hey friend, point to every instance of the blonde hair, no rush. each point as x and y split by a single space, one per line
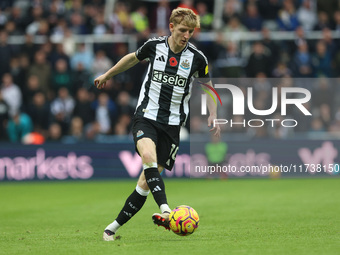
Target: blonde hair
185 16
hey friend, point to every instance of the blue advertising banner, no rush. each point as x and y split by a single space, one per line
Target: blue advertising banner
262 158
58 161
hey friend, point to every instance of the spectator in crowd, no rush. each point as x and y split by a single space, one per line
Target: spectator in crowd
300 38
216 152
305 121
3 18
57 53
100 27
207 18
337 21
81 77
69 43
160 16
269 10
43 28
11 28
259 61
331 45
234 29
31 88
261 86
76 132
119 20
28 48
5 53
83 108
316 126
287 18
324 93
123 125
47 48
22 75
84 56
231 9
54 132
306 14
252 19
17 16
37 13
59 29
229 62
105 113
323 21
124 103
125 111
55 11
278 131
321 59
62 108
18 126
4 109
139 19
42 69
302 62
39 112
15 71
329 7
77 25
325 115
101 63
188 4
11 94
125 79
61 76
271 46
334 127
281 70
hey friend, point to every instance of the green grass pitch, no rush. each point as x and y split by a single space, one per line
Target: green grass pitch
285 216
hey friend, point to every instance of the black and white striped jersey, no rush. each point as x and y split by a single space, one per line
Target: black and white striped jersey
166 89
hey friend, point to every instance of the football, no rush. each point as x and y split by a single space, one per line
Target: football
183 220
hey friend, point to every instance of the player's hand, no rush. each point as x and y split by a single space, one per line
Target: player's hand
100 81
216 129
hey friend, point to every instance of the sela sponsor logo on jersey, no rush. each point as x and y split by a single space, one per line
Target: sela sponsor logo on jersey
173 80
185 65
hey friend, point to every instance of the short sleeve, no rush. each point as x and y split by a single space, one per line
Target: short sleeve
203 71
144 51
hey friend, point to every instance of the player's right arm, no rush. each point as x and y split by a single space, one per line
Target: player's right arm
124 64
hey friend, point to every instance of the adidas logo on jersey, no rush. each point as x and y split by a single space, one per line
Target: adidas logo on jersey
173 80
161 58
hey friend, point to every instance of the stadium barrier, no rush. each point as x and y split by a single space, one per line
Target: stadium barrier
83 161
132 40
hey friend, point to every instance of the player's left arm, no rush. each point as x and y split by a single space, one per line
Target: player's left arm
212 106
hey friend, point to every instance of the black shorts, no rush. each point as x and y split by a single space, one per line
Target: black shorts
165 137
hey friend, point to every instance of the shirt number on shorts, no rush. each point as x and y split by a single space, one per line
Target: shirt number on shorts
173 151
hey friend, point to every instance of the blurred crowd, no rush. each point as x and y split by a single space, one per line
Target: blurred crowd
47 91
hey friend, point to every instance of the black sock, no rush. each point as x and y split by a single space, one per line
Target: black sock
156 185
132 205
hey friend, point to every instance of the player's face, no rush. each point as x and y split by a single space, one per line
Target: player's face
181 34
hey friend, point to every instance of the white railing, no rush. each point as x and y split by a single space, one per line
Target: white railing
131 40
